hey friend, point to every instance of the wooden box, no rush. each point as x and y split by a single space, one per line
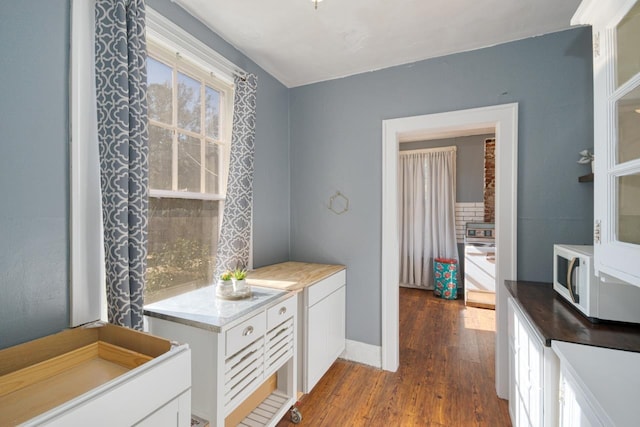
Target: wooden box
103 375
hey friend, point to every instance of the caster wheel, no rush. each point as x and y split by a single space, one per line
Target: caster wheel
296 416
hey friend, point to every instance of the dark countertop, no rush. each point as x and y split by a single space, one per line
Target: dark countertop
557 320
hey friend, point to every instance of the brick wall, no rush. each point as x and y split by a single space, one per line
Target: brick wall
489 180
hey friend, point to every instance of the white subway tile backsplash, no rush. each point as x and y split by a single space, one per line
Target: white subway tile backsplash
467 212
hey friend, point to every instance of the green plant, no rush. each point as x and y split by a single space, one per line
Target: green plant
240 274
226 276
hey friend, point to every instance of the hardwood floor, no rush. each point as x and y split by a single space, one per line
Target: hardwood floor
446 374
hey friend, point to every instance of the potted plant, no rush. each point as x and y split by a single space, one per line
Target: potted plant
587 157
225 283
239 279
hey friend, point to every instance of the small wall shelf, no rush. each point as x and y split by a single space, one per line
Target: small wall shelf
586 178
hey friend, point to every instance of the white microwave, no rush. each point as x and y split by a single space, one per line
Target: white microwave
598 298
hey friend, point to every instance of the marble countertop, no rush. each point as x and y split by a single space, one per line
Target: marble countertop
202 309
291 275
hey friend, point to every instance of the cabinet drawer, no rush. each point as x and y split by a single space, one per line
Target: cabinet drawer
325 287
245 333
281 312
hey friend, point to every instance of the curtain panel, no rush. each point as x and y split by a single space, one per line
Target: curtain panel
120 55
426 213
234 242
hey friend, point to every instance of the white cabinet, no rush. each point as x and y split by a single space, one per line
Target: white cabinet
616 74
98 376
175 413
244 369
324 327
599 386
575 409
480 275
533 373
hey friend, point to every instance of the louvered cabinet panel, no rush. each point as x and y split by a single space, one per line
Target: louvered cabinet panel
243 371
279 345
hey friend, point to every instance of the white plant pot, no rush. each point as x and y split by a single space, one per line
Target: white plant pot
224 287
239 285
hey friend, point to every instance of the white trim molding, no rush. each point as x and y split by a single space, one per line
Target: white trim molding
502 118
171 36
87 302
360 352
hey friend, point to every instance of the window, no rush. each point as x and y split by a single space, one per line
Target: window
189 136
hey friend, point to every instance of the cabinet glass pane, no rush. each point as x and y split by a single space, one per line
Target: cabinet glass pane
160 157
629 208
212 115
188 163
159 91
628 54
188 103
628 111
212 167
181 247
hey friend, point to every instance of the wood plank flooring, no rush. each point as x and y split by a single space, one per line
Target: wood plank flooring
446 374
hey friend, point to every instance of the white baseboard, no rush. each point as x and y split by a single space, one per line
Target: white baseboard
360 352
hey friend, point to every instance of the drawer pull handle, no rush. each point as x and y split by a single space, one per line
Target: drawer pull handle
247 331
282 311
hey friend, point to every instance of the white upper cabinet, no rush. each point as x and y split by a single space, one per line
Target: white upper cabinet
616 75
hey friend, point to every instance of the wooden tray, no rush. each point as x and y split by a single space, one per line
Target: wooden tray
31 384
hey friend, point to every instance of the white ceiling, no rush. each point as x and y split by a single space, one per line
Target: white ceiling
299 45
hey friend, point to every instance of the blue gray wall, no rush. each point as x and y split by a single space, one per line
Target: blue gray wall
34 52
34 177
336 134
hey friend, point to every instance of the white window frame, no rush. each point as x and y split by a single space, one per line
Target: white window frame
174 59
87 297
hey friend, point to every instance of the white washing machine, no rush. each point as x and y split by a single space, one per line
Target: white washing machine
480 265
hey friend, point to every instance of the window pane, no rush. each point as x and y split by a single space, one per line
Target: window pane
188 103
160 155
188 163
182 246
159 91
629 209
628 54
628 109
212 171
212 115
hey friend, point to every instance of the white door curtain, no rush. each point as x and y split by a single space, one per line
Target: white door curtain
427 181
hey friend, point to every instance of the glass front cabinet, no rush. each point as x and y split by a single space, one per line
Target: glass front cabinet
616 76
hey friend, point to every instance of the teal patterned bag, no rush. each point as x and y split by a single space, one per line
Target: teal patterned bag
445 278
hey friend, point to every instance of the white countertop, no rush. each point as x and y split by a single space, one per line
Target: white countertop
612 377
202 309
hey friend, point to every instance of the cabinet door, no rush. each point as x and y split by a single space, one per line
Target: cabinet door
176 413
326 335
575 410
526 373
480 268
617 140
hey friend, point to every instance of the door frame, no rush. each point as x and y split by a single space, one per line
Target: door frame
504 118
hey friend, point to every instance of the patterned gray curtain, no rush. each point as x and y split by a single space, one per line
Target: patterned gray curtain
121 85
235 232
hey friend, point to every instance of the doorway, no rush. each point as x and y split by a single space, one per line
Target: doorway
503 119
